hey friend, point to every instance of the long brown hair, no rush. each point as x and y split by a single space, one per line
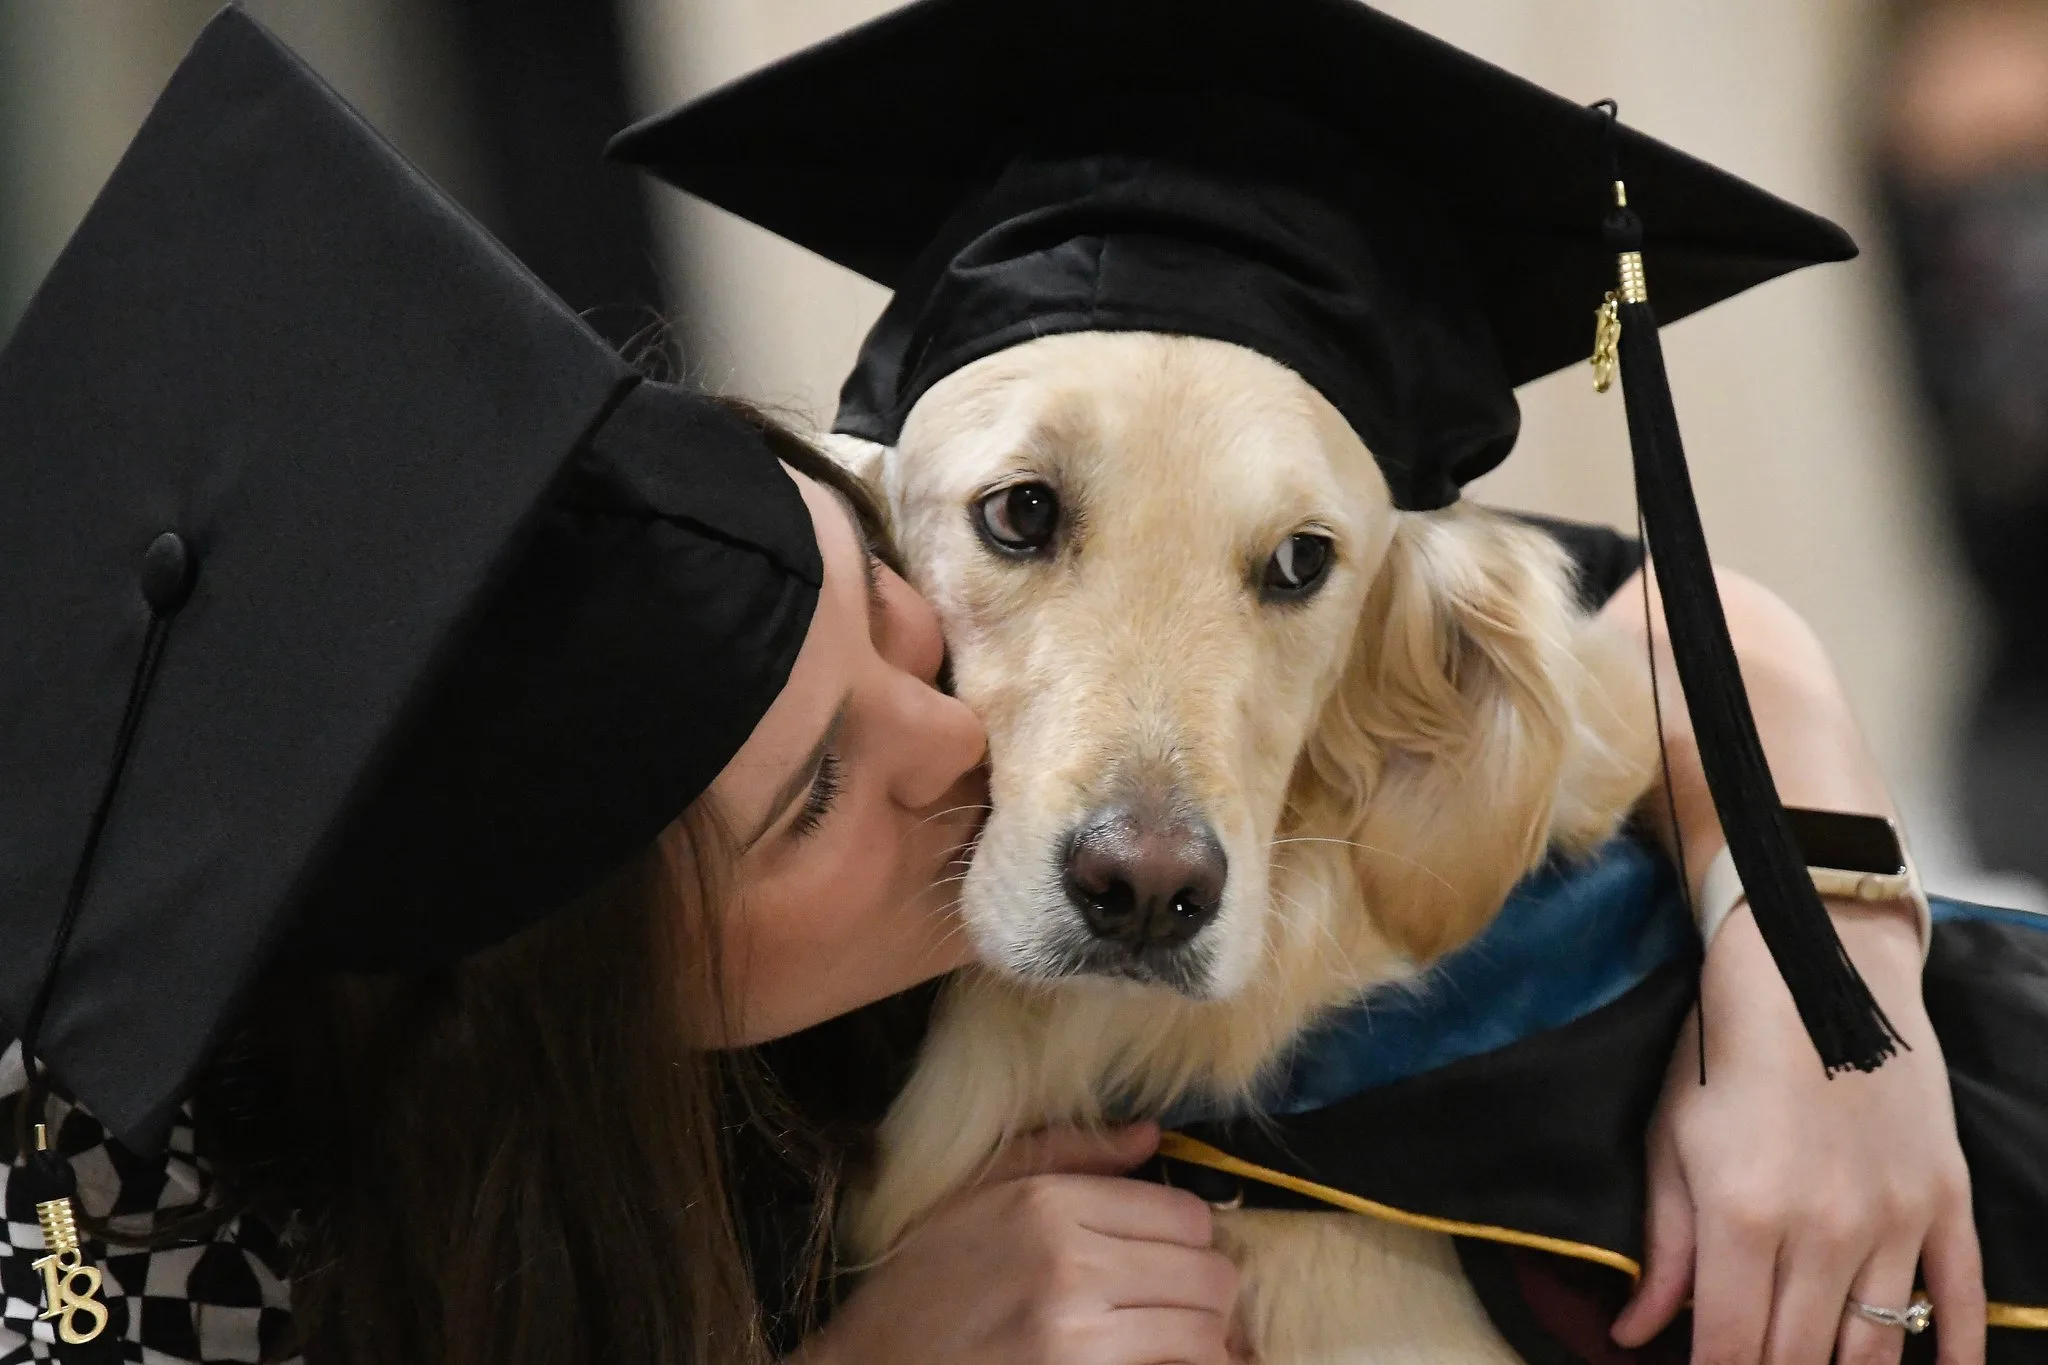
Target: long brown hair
518 1159
511 1161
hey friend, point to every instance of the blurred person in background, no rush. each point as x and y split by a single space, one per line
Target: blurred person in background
1963 168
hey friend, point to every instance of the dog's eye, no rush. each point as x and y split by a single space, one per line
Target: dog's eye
1297 567
1020 519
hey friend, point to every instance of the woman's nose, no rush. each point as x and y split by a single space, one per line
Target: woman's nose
939 738
909 636
941 741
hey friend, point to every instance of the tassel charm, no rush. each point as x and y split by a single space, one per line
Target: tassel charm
70 1286
1606 342
1633 287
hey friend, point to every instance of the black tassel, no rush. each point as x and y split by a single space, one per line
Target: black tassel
1848 1028
72 1288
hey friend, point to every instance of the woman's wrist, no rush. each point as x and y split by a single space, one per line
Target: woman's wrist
1883 929
1745 1006
1882 937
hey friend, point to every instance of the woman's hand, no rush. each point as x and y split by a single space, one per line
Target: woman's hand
1777 1194
1051 1258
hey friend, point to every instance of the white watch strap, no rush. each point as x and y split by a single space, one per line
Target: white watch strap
1721 891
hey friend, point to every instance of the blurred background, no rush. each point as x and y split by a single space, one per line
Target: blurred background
1870 440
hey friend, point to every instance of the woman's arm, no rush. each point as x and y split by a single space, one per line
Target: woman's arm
1778 1194
1817 753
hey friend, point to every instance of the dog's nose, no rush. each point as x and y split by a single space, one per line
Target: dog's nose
1141 883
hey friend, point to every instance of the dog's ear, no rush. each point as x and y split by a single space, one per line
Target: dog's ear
1480 721
874 465
866 460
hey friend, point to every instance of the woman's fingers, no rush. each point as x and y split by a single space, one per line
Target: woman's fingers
1731 1297
1668 1257
1817 1265
1134 1210
1153 1336
1160 1275
1954 1267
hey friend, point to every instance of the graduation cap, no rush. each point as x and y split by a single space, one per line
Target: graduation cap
361 607
1412 230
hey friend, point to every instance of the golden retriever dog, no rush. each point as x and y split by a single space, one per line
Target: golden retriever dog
1260 742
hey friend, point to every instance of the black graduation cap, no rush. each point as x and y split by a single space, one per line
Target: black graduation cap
1412 230
361 605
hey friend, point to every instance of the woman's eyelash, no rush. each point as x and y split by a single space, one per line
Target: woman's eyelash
874 575
817 805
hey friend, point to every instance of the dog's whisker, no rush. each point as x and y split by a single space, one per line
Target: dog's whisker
1294 913
945 938
950 810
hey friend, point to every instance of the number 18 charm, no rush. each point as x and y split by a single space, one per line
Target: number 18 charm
70 1286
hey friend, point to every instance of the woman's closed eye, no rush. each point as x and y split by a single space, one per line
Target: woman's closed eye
818 801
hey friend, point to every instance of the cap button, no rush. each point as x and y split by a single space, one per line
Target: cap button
168 569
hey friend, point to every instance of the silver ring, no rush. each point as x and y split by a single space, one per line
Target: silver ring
1913 1319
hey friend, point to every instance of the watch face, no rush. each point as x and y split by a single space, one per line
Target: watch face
1853 843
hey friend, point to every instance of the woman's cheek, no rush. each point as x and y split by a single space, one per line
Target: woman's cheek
861 884
834 902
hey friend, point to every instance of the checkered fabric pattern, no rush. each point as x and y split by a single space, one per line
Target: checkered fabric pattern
221 1299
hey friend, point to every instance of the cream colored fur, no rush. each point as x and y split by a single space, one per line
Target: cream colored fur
1381 764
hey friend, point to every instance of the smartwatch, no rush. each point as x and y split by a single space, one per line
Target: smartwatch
1849 857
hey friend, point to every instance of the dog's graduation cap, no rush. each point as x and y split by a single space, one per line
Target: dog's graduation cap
360 605
1412 230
